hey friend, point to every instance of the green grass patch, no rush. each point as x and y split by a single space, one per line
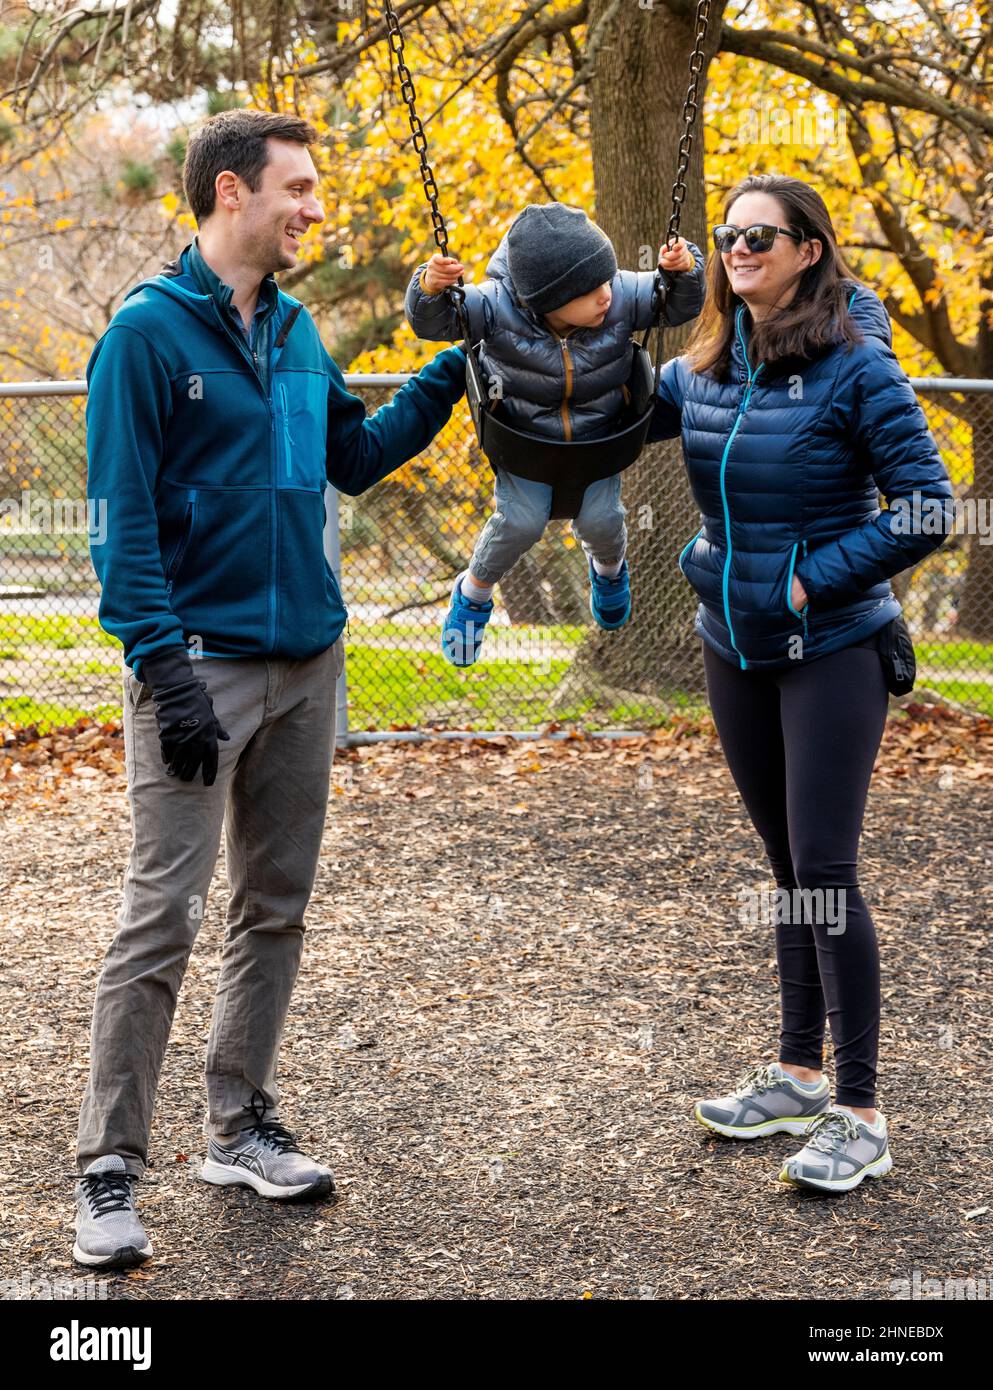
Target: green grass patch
21 710
395 687
62 630
972 693
428 635
412 684
974 656
95 667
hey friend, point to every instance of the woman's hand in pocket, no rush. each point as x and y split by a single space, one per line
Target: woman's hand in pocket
798 595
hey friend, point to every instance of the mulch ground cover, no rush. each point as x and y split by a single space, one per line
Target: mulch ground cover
524 962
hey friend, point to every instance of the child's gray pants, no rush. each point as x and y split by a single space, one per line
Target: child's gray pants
521 515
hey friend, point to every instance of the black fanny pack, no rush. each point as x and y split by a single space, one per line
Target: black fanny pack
896 651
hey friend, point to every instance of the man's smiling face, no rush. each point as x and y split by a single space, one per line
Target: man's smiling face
273 220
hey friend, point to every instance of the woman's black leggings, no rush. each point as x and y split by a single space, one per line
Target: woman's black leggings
801 744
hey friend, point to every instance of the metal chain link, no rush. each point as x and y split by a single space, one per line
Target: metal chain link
689 119
408 96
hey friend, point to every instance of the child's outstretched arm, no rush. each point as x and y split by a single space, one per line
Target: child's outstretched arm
429 310
684 266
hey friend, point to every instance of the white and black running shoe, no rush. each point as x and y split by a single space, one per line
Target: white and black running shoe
109 1234
265 1156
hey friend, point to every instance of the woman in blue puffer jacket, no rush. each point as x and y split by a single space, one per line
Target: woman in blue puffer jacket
794 415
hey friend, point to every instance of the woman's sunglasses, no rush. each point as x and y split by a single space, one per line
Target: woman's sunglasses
758 238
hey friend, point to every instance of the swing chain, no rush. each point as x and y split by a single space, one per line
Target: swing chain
407 94
689 118
690 108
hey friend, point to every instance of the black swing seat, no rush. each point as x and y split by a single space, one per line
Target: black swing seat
568 466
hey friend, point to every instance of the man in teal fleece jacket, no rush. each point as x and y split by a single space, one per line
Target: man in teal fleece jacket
215 422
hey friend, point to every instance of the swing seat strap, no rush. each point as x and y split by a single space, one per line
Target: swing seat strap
567 499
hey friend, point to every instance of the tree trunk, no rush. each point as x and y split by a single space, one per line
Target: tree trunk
636 101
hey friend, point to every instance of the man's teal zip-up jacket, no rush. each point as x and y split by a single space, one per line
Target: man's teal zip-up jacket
214 483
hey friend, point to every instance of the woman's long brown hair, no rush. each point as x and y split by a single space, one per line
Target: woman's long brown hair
814 319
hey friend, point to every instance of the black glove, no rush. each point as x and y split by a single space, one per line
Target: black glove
188 727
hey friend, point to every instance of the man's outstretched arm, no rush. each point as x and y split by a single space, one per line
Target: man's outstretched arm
362 448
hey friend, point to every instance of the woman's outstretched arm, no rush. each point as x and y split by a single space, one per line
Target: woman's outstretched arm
668 416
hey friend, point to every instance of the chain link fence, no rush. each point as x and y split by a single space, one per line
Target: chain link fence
543 664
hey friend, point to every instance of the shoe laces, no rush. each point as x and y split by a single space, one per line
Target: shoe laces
759 1079
271 1132
107 1192
832 1131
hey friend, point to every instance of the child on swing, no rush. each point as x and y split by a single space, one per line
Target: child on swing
555 317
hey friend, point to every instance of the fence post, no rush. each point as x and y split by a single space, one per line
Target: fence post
332 550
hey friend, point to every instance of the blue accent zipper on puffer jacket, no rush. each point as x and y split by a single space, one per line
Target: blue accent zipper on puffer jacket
807 604
685 550
789 586
724 497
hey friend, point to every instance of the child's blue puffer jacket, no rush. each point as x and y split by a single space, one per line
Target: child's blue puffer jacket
564 387
786 467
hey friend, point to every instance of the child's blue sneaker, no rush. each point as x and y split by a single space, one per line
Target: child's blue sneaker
610 599
462 635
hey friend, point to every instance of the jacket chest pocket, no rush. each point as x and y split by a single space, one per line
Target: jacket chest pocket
300 425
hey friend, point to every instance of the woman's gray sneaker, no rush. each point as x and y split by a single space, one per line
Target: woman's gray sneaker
766 1101
840 1152
109 1234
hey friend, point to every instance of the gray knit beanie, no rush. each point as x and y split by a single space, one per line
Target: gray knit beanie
554 254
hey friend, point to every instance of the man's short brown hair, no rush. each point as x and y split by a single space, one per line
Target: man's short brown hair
235 140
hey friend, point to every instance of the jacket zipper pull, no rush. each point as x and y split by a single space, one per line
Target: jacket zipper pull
291 319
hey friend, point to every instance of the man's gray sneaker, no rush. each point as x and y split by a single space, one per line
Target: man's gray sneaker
109 1234
265 1157
840 1151
766 1101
